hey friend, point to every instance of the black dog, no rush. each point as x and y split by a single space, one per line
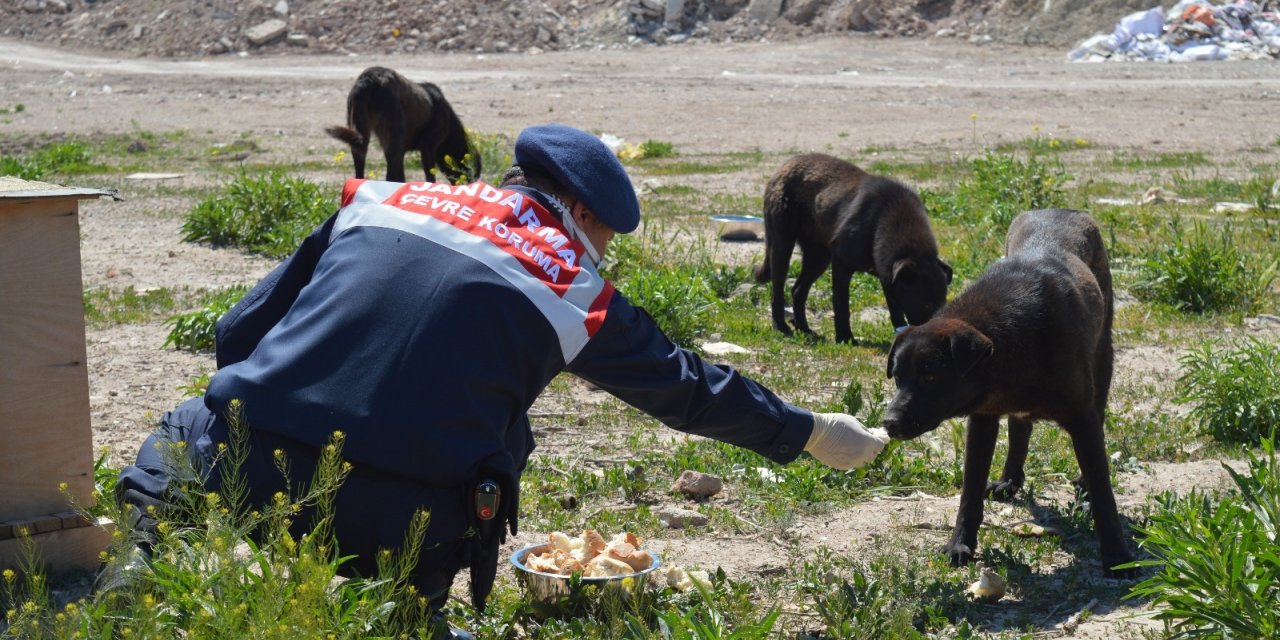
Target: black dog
854 221
405 116
1031 339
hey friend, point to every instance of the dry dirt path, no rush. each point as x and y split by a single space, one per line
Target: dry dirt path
846 92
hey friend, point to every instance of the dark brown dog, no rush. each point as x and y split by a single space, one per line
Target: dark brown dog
854 221
1031 339
404 116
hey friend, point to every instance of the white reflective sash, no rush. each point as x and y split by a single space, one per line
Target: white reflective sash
507 231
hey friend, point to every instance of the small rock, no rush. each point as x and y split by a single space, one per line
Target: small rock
990 587
298 40
677 518
722 348
282 8
698 485
139 31
265 32
58 6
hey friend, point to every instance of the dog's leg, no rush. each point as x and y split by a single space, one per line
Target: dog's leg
391 135
840 280
814 261
980 445
780 243
1091 454
896 315
395 161
1013 476
427 151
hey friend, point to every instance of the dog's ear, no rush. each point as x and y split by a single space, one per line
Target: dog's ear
904 269
893 350
970 349
946 268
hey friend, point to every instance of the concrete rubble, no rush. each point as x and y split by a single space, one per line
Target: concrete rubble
1188 31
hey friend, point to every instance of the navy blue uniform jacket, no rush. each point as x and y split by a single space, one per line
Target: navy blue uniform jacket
419 342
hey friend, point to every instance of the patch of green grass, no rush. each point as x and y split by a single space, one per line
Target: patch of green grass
1202 271
1233 390
1216 188
59 159
268 214
1218 568
1001 187
888 596
1127 161
195 331
915 171
680 302
106 307
17 108
226 149
1042 145
657 149
729 164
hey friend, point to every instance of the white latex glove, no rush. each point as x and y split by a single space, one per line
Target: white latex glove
842 442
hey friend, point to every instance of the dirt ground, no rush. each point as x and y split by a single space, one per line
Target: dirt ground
845 95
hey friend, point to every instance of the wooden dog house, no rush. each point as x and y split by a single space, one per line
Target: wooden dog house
46 443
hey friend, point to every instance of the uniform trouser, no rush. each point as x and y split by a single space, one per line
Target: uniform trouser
372 510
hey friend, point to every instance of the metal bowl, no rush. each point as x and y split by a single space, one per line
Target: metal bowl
545 588
733 227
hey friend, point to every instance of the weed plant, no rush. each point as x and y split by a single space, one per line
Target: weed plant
195 331
108 307
268 214
1201 271
1001 187
680 302
60 159
220 570
1218 560
493 150
1233 390
657 149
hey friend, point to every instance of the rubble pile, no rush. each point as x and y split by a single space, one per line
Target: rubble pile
189 28
1189 30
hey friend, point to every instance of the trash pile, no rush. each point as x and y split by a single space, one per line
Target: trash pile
1190 30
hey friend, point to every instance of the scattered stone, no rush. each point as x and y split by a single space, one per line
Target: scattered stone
354 28
698 485
1232 207
990 587
146 176
722 348
678 518
264 32
297 40
764 10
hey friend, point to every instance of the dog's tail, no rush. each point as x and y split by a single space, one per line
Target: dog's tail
347 135
776 203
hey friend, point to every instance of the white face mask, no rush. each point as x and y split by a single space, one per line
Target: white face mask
572 227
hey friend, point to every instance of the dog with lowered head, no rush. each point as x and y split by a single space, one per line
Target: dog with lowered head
404 116
856 222
1031 340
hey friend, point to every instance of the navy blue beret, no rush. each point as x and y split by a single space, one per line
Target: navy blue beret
586 167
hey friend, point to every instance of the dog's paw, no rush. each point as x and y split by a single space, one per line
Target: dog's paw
1003 490
960 553
1109 569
